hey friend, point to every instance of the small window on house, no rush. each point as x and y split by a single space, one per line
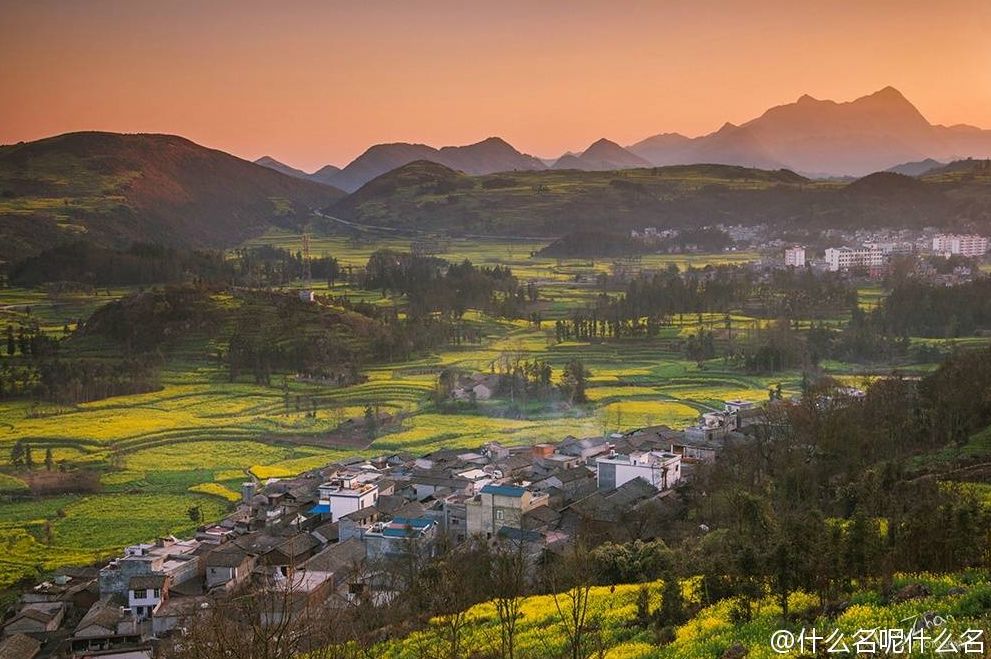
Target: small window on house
158 593
499 514
140 594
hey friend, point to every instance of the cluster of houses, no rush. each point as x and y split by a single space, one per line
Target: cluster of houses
324 537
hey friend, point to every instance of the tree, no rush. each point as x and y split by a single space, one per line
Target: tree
195 514
509 568
11 343
49 461
672 611
571 584
371 422
17 454
253 625
574 381
28 458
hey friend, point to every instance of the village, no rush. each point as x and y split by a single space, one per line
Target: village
326 538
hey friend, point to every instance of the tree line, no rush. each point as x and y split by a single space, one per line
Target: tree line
431 284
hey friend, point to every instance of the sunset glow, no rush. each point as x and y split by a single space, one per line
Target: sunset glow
312 83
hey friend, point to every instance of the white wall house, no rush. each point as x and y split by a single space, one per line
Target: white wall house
145 594
660 469
343 496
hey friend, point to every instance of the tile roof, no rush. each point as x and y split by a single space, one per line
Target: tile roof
147 581
338 558
19 646
231 556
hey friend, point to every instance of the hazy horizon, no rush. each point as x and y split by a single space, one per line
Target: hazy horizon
314 84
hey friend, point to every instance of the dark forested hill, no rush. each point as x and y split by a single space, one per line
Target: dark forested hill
118 189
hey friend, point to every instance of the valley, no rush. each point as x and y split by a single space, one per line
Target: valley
198 436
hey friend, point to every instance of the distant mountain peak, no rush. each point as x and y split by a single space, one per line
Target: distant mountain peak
603 142
489 156
824 137
890 92
497 141
603 154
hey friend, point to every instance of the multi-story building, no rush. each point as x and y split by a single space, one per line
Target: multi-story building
343 496
964 245
660 469
498 506
845 258
795 257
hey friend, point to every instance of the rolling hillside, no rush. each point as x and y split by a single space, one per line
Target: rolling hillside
424 196
118 189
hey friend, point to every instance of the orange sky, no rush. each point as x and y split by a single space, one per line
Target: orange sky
312 83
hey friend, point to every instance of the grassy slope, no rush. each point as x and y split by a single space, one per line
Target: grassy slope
711 631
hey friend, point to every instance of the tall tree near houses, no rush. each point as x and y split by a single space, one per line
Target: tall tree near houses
49 461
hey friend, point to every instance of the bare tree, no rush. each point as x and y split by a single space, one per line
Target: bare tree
272 620
509 581
571 584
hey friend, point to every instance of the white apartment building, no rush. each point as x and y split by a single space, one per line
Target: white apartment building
844 258
969 245
795 257
660 469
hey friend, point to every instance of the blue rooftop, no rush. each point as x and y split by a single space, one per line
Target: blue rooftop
406 527
415 522
320 509
504 490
